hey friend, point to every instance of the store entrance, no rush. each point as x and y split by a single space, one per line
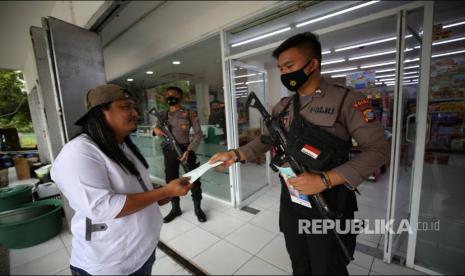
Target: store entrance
363 57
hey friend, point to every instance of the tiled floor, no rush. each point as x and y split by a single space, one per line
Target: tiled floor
253 244
230 242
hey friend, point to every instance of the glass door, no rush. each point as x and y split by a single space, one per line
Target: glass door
253 175
410 26
440 240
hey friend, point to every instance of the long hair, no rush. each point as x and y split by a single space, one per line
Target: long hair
97 128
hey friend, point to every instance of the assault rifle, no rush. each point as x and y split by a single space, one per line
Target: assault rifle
170 137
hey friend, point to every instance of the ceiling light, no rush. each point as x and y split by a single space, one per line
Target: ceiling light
339 70
130 79
409 73
369 43
239 83
333 61
149 72
385 70
386 76
341 75
372 55
254 81
365 44
326 52
453 24
449 40
242 87
411 67
410 77
335 13
378 64
176 62
390 79
261 37
243 76
448 53
411 60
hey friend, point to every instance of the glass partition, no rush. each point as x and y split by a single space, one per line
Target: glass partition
197 72
440 244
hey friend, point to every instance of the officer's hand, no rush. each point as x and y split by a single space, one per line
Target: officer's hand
307 183
178 187
184 156
228 158
158 132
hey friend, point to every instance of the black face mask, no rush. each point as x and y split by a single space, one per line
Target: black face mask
294 80
172 100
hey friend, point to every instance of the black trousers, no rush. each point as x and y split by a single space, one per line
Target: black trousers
172 169
313 254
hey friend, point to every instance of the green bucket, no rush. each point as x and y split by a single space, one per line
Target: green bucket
30 224
11 197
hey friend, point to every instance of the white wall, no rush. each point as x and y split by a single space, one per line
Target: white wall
276 89
171 27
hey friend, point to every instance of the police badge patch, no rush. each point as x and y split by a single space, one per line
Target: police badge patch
367 111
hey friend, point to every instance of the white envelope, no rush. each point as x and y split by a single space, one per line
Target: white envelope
197 173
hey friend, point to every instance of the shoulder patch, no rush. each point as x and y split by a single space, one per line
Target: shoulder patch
364 106
195 116
361 104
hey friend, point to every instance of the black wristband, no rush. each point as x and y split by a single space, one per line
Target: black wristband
238 155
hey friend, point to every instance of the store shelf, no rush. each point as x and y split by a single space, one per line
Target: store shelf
447 100
447 151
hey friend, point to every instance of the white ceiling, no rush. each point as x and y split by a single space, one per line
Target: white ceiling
15 19
200 62
445 13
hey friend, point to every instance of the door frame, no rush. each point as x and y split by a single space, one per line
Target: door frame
420 139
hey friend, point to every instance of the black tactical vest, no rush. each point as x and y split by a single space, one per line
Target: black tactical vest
318 150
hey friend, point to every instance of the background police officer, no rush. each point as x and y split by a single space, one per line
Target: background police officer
180 120
335 110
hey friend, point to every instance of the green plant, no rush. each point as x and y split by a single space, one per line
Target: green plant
14 109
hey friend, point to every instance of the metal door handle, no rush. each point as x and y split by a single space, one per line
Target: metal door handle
407 136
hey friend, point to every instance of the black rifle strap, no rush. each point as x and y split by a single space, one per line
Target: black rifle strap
281 114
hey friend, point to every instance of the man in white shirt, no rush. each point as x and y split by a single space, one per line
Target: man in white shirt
117 221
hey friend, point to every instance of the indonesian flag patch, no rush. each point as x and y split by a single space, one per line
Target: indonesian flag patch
311 151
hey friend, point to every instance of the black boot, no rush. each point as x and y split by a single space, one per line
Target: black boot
198 212
175 211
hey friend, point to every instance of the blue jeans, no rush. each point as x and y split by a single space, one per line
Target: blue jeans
146 269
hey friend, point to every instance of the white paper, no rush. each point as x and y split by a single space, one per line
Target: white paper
197 173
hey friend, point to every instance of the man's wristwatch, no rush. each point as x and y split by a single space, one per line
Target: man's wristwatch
238 156
325 179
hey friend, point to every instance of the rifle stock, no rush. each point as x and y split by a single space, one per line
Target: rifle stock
170 137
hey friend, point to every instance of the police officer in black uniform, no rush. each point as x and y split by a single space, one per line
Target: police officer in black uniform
320 120
180 120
